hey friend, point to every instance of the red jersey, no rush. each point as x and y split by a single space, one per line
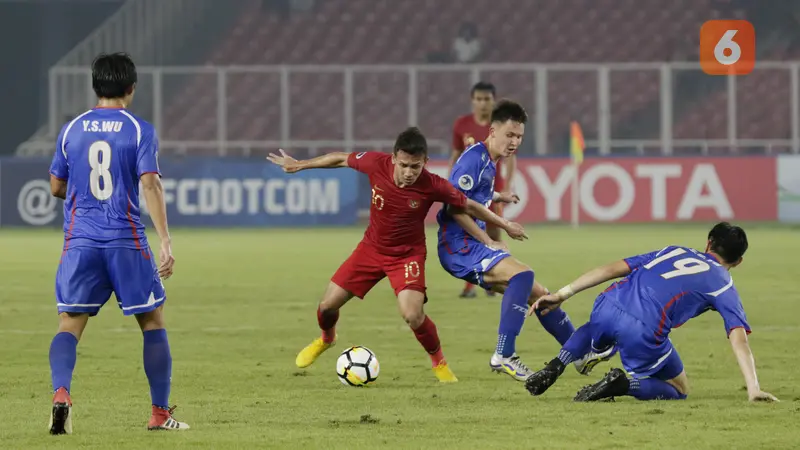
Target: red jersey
397 215
467 132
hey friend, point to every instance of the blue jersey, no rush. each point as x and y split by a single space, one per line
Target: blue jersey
473 174
668 287
101 155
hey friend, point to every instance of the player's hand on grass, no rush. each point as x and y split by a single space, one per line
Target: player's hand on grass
761 396
507 197
546 303
516 231
166 259
287 163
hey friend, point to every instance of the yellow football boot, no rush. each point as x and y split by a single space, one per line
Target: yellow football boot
444 374
308 355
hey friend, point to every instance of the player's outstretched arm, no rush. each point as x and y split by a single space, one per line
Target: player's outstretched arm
514 230
154 198
588 280
290 165
741 348
468 224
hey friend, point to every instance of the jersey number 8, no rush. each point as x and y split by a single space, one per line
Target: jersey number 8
683 266
100 162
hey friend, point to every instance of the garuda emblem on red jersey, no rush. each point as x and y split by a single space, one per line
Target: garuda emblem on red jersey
468 140
413 203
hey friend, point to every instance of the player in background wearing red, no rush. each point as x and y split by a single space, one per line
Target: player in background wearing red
473 128
394 243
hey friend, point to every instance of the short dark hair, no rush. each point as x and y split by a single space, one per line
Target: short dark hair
728 241
483 86
411 141
506 110
113 75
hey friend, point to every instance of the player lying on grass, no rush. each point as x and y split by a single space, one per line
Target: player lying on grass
661 291
100 159
467 252
394 242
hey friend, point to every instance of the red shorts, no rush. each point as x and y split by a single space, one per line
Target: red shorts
366 267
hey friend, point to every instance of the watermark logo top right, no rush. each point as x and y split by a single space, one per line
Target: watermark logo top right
727 47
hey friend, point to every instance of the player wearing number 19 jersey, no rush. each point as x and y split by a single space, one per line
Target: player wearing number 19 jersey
660 291
100 158
403 192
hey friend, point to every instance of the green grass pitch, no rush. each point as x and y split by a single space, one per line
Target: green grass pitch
242 303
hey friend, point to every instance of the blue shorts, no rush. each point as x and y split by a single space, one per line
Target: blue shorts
641 352
87 276
471 262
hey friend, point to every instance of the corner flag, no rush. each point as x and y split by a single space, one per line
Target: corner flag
576 144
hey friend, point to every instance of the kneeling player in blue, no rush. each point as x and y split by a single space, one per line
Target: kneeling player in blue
101 157
488 263
660 291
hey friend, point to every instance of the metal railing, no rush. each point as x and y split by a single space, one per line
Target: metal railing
669 103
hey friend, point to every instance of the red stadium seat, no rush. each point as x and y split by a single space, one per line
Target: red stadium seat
369 32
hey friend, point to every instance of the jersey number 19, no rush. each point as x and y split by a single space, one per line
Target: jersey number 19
683 266
100 162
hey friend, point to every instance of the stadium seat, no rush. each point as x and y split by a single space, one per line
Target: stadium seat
368 32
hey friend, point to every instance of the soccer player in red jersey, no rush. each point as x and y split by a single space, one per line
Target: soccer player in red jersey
469 130
394 243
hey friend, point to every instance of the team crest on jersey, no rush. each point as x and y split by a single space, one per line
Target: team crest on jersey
468 140
466 182
358 156
413 203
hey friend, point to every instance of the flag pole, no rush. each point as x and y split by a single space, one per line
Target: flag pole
576 148
575 196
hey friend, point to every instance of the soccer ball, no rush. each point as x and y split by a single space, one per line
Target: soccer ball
357 366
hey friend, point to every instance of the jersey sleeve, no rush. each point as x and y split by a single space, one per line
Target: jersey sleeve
58 167
466 174
458 140
729 305
365 162
634 262
147 154
444 192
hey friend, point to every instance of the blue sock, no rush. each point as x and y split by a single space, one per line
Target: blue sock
557 323
578 344
63 353
158 366
512 312
653 389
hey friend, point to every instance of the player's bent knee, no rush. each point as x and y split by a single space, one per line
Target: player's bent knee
335 297
151 320
414 319
412 309
681 384
505 270
73 323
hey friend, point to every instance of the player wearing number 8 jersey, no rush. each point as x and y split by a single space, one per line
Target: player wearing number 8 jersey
660 291
394 243
100 158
